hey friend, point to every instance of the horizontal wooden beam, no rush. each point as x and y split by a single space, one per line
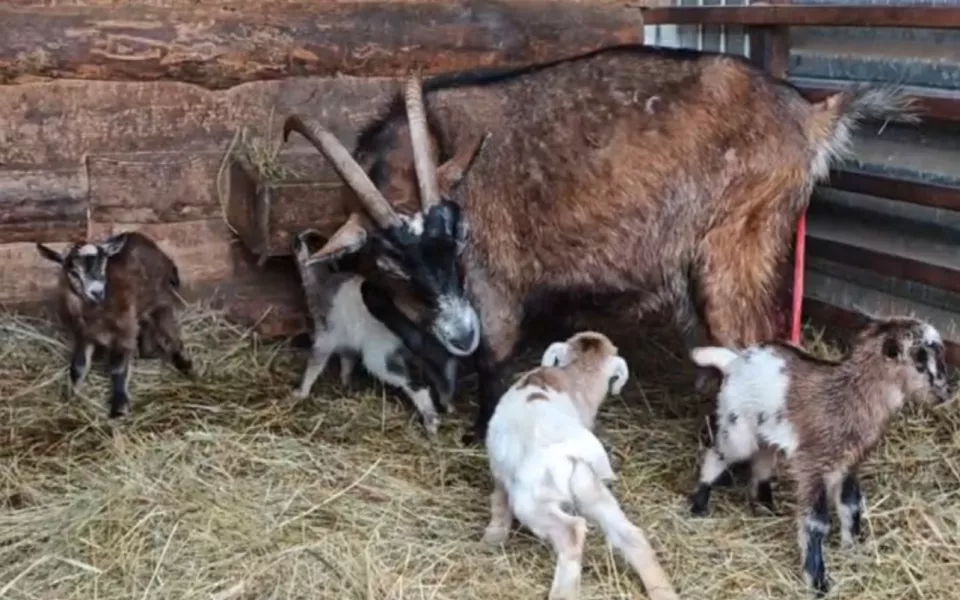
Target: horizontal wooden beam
892 188
835 316
934 17
886 264
218 48
938 105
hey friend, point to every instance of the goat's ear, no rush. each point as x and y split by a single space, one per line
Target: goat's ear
392 267
891 347
113 245
349 239
451 173
556 355
49 253
617 374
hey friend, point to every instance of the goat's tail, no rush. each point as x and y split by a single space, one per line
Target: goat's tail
713 356
835 118
595 501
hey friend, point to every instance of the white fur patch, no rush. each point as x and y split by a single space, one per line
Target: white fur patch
414 223
87 250
751 406
931 335
456 316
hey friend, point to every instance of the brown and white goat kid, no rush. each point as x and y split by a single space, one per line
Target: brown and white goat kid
547 462
107 292
342 325
824 416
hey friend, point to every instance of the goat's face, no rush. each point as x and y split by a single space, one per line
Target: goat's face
423 248
595 353
915 351
84 266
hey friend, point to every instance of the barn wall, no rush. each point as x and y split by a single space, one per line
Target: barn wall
89 158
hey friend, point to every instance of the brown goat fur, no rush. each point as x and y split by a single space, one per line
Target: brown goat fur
116 295
672 176
825 416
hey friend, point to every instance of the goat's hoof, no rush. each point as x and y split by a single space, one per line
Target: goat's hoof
495 536
119 410
820 585
299 394
849 542
699 511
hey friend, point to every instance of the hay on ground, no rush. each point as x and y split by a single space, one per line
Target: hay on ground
225 488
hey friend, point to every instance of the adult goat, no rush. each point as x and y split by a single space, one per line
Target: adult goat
672 176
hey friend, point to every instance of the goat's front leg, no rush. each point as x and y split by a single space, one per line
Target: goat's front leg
813 526
848 501
316 364
501 517
501 315
80 361
119 365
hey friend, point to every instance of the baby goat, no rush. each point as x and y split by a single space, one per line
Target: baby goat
107 292
824 416
546 462
343 325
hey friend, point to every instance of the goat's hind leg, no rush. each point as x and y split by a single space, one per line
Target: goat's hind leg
735 442
501 516
761 489
566 534
600 505
119 365
168 336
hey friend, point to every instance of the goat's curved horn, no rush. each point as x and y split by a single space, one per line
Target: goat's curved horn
419 138
352 173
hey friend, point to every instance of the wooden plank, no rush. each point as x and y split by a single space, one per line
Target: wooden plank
902 190
153 187
932 17
43 206
938 105
842 318
269 301
53 125
26 276
218 49
205 251
889 265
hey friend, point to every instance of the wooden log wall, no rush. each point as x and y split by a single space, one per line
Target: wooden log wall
117 117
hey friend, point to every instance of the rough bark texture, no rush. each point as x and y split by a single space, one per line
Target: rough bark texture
80 157
219 47
43 206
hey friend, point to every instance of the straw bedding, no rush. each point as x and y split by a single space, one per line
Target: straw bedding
225 488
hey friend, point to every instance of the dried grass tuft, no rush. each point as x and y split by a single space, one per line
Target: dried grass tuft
225 488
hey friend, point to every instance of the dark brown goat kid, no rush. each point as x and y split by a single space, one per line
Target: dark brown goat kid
111 292
671 177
